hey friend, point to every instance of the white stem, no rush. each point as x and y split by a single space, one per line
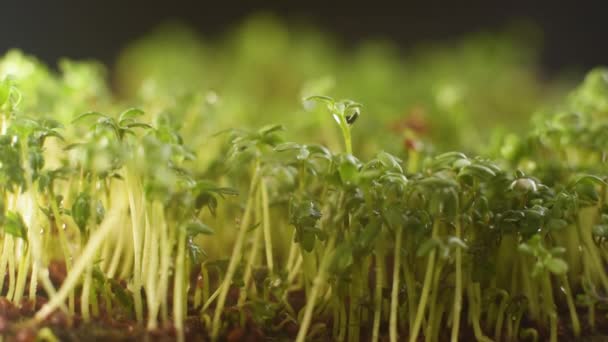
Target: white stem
87 257
267 237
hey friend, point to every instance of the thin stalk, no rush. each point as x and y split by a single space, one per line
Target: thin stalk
550 306
235 258
433 301
167 241
33 280
153 271
395 290
378 291
22 271
457 287
118 252
318 282
266 226
343 322
594 259
335 326
354 312
178 285
293 249
210 300
135 214
87 257
63 242
576 325
500 315
437 321
529 289
426 287
206 285
4 261
11 267
474 308
85 295
253 254
410 292
295 270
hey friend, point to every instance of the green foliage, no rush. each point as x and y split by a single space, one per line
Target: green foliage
14 225
141 188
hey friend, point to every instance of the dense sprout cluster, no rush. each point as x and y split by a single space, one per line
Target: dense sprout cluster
163 213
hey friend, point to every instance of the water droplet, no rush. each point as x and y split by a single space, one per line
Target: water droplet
563 290
64 226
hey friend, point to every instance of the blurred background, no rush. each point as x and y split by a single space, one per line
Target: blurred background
431 76
573 33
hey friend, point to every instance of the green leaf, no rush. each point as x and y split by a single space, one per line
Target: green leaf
436 182
450 156
98 275
390 161
266 130
287 146
587 192
81 211
477 170
368 235
197 227
307 240
320 98
14 225
89 115
427 246
5 90
557 224
556 266
589 178
138 125
130 114
348 169
124 296
343 258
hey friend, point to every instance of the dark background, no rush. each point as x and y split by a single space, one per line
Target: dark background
575 34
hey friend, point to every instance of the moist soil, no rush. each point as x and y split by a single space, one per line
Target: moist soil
16 323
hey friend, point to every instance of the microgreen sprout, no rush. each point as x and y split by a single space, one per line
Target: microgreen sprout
344 112
261 231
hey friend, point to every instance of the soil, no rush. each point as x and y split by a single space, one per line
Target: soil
115 326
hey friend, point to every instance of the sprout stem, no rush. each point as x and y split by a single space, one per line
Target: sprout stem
458 286
576 326
426 287
318 282
266 226
235 258
378 291
86 258
178 286
395 290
